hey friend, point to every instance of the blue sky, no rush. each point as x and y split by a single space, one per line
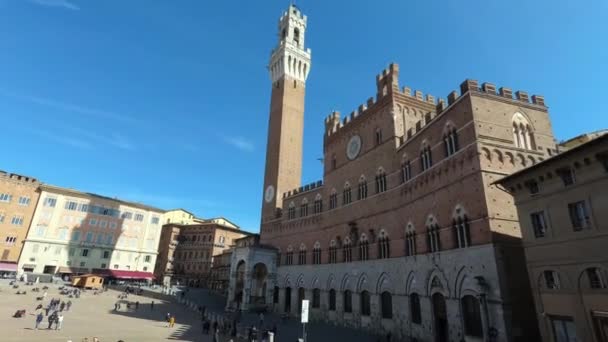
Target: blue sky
166 102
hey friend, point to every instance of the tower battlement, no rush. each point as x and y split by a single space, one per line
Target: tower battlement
467 86
293 11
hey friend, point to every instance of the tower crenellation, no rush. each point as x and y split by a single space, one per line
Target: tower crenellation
291 57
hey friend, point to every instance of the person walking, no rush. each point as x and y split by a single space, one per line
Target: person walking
261 320
39 319
172 321
51 320
152 305
68 305
59 323
136 305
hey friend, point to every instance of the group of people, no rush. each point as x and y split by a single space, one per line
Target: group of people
55 318
53 311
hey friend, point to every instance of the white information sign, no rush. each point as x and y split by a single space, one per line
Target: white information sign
305 311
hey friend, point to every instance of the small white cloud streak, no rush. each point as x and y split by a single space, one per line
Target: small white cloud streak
240 143
63 139
93 112
65 4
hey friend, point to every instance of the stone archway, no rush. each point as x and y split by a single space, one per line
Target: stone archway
240 283
440 318
259 277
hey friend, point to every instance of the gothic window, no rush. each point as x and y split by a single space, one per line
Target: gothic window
378 136
551 280
316 298
384 250
304 208
362 191
291 213
316 254
380 181
302 255
348 301
415 308
365 304
289 256
410 240
471 313
333 199
332 300
406 171
318 206
347 250
434 243
333 252
426 158
462 234
363 248
596 279
523 137
296 36
450 141
346 194
386 302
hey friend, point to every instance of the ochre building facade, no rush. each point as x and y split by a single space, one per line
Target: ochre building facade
562 209
406 233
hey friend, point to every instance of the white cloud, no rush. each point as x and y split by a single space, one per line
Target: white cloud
63 139
85 111
65 4
240 143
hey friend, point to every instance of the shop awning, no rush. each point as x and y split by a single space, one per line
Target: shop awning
119 274
101 271
7 266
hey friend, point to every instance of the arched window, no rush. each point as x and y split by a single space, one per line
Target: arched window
332 300
333 199
318 208
348 301
384 250
415 308
291 213
462 234
304 208
302 255
378 136
316 254
333 252
426 157
363 248
596 278
362 190
380 181
450 141
410 240
551 280
365 304
406 171
316 298
433 240
523 137
387 305
346 194
347 250
471 313
289 256
296 36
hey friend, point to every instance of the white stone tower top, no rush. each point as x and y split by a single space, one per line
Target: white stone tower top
290 58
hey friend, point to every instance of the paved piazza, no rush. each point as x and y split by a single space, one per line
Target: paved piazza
94 316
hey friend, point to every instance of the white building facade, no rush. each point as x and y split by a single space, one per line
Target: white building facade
73 232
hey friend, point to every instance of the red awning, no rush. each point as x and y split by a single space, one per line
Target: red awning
7 266
119 274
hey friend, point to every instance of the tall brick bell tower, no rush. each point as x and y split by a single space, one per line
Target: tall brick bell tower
289 67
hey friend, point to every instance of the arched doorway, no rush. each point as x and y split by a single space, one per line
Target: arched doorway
287 299
301 297
258 290
240 283
440 318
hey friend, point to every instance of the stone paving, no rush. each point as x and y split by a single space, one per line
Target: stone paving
94 316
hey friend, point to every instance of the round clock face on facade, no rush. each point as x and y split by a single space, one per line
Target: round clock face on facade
269 193
354 147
